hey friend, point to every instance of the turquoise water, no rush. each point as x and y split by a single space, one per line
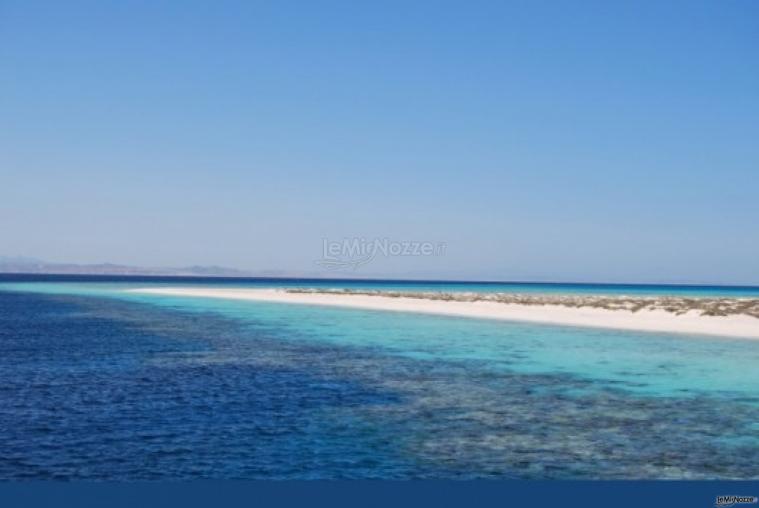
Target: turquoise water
640 361
657 363
464 397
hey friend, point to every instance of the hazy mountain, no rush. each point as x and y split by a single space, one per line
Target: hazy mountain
31 265
27 265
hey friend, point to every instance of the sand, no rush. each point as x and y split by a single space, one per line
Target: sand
558 310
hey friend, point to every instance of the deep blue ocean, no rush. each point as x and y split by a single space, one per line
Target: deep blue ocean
99 383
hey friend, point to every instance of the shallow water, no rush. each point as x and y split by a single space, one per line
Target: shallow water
99 383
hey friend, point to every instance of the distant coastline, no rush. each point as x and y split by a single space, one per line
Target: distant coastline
656 316
22 265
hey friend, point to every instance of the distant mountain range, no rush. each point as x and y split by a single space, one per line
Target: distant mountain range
27 265
31 265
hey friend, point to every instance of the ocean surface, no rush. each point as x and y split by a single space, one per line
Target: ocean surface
99 383
404 285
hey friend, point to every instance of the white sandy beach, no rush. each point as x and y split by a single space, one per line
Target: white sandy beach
644 320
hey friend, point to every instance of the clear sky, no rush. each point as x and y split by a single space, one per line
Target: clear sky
593 140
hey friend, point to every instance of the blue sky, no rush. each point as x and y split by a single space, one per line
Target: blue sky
597 141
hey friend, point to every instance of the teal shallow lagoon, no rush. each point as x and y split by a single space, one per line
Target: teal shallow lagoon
477 387
656 363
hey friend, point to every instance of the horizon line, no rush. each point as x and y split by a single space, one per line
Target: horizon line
378 279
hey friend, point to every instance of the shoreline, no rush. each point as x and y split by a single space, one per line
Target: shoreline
656 320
